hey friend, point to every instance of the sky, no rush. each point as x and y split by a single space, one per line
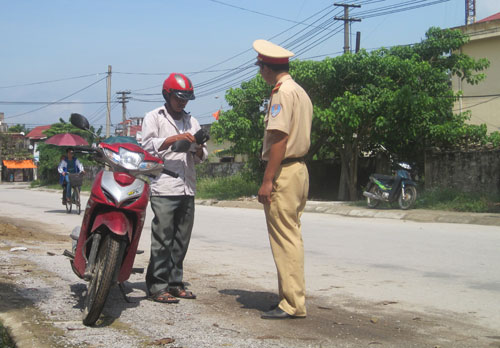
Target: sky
55 54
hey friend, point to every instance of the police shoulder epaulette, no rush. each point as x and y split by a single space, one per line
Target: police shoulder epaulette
276 88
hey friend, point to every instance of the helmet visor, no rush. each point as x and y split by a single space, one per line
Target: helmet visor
184 95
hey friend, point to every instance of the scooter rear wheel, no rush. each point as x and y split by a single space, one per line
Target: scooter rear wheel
106 263
370 202
68 206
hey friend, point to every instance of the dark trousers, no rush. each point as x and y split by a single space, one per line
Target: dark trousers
170 235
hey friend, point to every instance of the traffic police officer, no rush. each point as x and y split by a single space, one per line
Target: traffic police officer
285 185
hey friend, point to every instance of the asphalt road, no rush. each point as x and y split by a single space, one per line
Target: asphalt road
449 271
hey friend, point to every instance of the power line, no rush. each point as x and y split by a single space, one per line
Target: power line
2 102
398 8
57 101
259 13
250 63
51 81
408 5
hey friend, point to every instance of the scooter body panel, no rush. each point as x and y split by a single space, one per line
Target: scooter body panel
113 208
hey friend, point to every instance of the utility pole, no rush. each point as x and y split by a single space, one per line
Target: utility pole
347 21
123 100
470 12
358 41
108 98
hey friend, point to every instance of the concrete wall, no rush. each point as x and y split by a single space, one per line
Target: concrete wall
471 171
213 169
323 175
483 99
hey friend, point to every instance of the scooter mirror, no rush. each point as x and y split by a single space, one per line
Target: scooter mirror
181 146
79 121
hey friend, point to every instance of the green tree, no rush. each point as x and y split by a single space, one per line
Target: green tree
18 128
399 97
243 125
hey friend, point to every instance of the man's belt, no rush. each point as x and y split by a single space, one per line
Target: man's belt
292 160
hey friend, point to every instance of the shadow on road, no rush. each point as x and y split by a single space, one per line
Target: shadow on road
259 300
115 303
60 211
11 298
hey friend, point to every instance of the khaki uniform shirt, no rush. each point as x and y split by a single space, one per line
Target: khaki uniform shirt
156 127
290 111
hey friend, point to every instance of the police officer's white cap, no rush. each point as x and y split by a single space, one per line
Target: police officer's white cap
271 53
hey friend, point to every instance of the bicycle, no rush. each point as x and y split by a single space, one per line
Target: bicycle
75 181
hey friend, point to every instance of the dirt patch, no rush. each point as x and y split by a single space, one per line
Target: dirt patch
28 231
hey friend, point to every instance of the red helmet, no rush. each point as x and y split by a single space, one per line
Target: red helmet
180 85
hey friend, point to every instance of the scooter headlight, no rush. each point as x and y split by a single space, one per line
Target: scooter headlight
125 158
130 160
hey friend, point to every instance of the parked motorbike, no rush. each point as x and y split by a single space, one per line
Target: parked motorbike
387 188
105 245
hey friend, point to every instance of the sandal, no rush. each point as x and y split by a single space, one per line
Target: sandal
182 293
164 297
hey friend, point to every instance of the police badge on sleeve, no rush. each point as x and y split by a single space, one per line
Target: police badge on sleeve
275 110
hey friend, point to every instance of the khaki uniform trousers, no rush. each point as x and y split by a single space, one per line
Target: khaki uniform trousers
288 199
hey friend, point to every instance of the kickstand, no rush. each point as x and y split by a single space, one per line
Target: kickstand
122 290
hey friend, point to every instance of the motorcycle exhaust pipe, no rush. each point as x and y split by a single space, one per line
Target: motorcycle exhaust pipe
371 196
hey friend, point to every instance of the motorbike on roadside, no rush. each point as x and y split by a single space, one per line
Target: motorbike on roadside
392 188
105 245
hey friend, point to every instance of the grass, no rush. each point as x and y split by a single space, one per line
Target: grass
5 340
454 200
226 188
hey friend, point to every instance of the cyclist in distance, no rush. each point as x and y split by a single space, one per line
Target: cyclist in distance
68 164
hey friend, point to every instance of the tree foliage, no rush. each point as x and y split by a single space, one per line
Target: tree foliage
18 128
399 97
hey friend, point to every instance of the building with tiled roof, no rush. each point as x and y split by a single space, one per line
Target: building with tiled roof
37 133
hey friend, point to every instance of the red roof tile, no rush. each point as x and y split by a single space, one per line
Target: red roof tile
37 132
134 129
490 18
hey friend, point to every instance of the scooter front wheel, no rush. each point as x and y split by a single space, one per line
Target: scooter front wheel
370 202
409 197
107 260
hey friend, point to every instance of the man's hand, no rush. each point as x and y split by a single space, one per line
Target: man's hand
265 192
170 140
187 136
278 141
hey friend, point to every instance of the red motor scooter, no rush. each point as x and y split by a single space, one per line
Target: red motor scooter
105 245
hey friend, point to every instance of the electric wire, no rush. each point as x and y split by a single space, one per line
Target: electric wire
250 63
57 101
309 46
2 102
300 44
51 81
259 13
403 9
